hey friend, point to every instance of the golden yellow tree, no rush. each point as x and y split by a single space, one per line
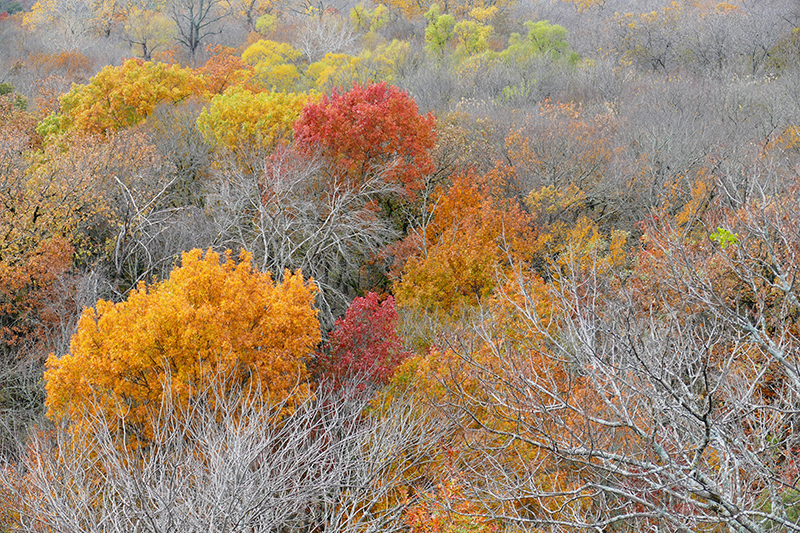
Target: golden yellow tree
120 97
244 121
172 339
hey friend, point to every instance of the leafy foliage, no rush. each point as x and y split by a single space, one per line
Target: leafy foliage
370 129
467 247
119 97
209 318
274 64
439 30
243 121
364 345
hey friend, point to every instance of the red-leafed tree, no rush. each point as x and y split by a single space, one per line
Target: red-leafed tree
364 345
369 129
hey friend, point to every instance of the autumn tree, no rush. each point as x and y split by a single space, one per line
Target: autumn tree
225 69
119 97
364 346
42 221
369 129
274 63
249 124
386 61
473 232
209 318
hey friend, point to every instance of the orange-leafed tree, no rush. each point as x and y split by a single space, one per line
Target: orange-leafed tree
369 129
475 235
172 339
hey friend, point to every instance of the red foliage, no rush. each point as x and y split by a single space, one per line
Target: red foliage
30 294
370 129
364 345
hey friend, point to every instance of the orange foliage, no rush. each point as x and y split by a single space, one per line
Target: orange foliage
469 245
28 290
208 319
225 69
446 510
72 65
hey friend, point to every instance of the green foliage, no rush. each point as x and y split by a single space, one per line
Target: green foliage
266 23
440 30
11 7
52 125
9 95
724 237
473 36
542 40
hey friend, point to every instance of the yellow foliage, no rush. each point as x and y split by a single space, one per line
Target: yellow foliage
119 97
273 63
414 9
209 318
483 14
241 120
370 66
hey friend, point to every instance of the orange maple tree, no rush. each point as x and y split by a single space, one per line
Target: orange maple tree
474 234
210 318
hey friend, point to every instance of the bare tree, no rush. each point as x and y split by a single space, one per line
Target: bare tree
196 21
228 464
668 403
294 215
325 34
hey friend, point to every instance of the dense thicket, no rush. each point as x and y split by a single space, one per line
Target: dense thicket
504 266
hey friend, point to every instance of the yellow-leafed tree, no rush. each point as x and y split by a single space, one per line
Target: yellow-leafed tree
170 340
241 120
120 97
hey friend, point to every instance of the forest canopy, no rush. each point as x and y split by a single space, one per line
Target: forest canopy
420 267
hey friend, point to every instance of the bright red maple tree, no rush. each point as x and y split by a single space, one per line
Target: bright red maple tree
364 345
369 129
